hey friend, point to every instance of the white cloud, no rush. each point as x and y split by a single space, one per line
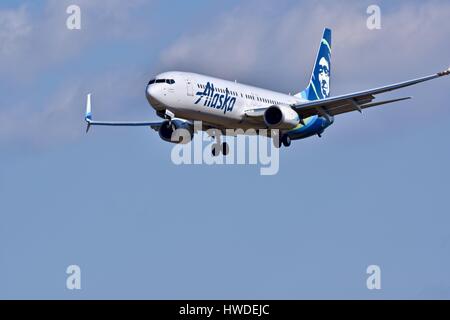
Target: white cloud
274 46
14 27
277 46
259 42
34 42
230 47
116 95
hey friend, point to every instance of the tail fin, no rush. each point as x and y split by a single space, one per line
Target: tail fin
319 85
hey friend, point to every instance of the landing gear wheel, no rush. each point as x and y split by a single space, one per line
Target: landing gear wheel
276 141
225 148
286 140
215 150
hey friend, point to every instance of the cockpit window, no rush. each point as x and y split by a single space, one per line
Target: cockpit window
168 81
151 82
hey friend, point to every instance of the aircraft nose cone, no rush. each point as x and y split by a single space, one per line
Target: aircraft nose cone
151 92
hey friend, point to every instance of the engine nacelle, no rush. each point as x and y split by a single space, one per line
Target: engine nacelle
168 128
281 117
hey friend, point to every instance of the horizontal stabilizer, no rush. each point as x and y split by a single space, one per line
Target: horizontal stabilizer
369 105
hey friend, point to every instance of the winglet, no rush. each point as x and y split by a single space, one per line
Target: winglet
88 115
444 73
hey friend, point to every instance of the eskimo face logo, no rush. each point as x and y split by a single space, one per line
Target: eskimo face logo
324 77
214 100
319 87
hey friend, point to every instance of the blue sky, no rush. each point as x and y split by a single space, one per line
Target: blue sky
373 190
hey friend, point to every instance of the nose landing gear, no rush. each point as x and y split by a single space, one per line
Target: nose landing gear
218 148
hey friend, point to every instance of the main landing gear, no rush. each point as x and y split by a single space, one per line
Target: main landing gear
284 140
218 148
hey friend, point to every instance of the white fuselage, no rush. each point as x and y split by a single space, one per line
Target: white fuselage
212 100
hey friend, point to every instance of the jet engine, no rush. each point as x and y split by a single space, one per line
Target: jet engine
168 128
281 117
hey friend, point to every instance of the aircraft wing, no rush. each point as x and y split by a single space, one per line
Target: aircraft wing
356 101
88 117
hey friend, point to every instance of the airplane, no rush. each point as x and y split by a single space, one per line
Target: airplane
181 98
